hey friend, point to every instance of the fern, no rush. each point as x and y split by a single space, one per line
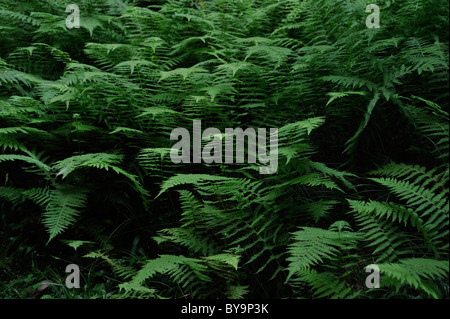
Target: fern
181 179
313 245
325 284
63 208
416 272
189 272
86 116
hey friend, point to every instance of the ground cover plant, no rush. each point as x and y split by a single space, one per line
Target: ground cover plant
87 177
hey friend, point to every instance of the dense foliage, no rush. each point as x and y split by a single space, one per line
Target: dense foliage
85 169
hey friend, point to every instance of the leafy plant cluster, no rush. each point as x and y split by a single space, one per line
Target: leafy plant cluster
85 169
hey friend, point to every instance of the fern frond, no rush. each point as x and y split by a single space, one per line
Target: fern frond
64 205
325 284
30 159
181 179
419 273
312 245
